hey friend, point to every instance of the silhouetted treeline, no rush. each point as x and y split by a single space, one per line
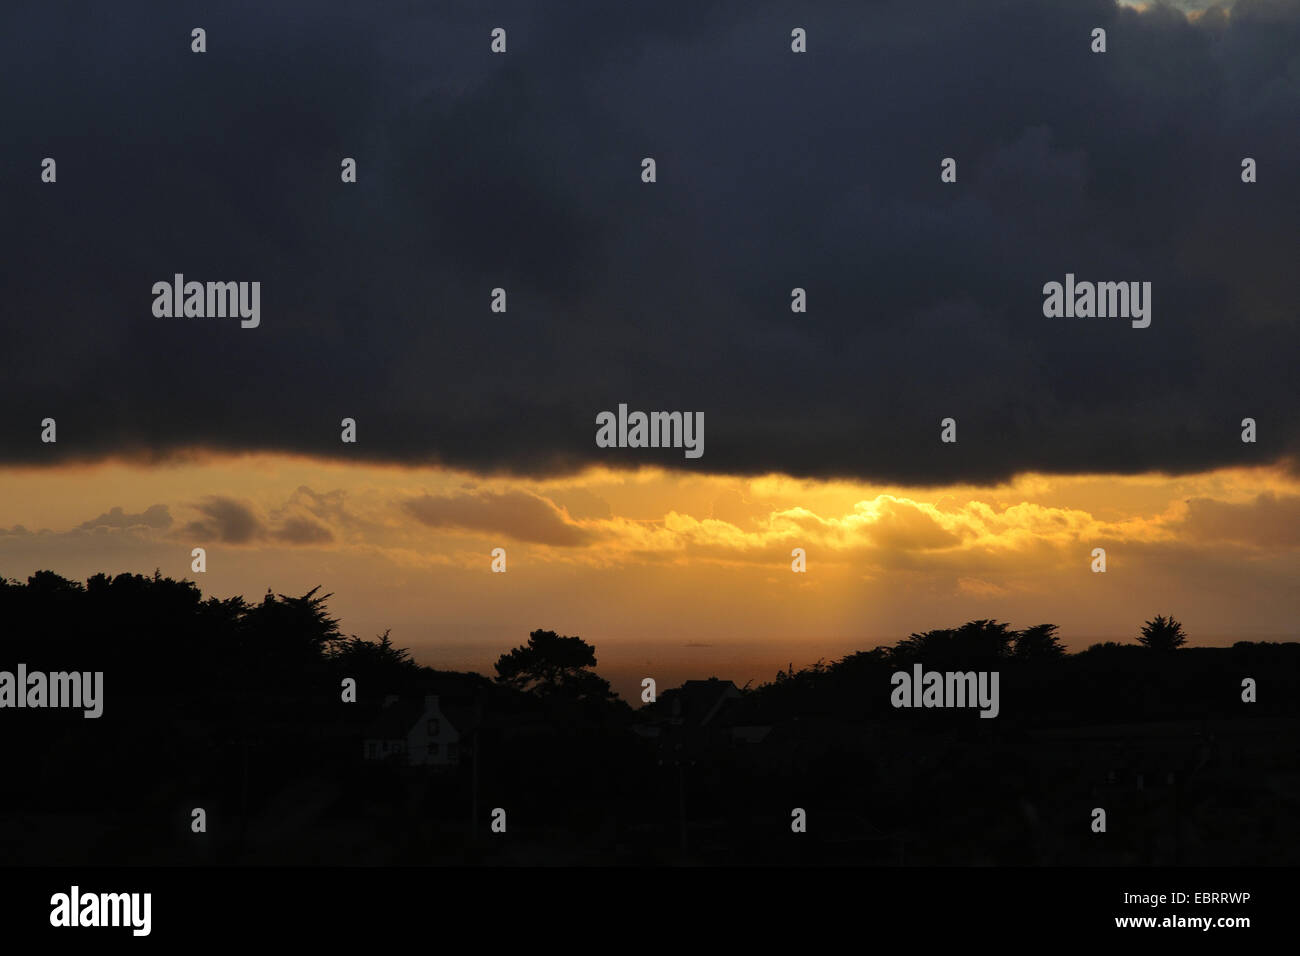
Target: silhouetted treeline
230 704
1041 683
240 707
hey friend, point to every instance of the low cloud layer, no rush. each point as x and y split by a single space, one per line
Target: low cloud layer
705 559
155 516
230 521
517 515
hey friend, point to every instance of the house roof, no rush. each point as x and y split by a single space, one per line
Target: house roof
699 700
742 712
396 720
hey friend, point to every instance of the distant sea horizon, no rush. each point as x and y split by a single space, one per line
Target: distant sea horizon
625 663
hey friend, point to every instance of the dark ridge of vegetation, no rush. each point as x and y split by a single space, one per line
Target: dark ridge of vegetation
236 706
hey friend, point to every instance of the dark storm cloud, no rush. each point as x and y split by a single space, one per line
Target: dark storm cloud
775 170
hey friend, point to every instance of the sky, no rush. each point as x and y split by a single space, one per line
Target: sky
677 576
775 170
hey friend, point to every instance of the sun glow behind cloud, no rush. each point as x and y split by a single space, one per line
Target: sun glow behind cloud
1191 7
645 562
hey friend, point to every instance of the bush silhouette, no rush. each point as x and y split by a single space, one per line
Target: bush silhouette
1162 634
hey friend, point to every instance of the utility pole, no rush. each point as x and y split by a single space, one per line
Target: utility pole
473 798
477 736
681 799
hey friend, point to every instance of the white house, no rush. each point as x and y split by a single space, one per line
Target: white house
418 733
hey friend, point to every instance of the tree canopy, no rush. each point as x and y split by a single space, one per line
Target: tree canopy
552 664
1162 634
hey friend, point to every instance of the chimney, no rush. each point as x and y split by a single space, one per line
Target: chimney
430 701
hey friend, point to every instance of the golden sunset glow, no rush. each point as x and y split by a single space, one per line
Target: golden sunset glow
683 574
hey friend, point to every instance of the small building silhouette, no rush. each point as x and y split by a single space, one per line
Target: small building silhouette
696 702
416 732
